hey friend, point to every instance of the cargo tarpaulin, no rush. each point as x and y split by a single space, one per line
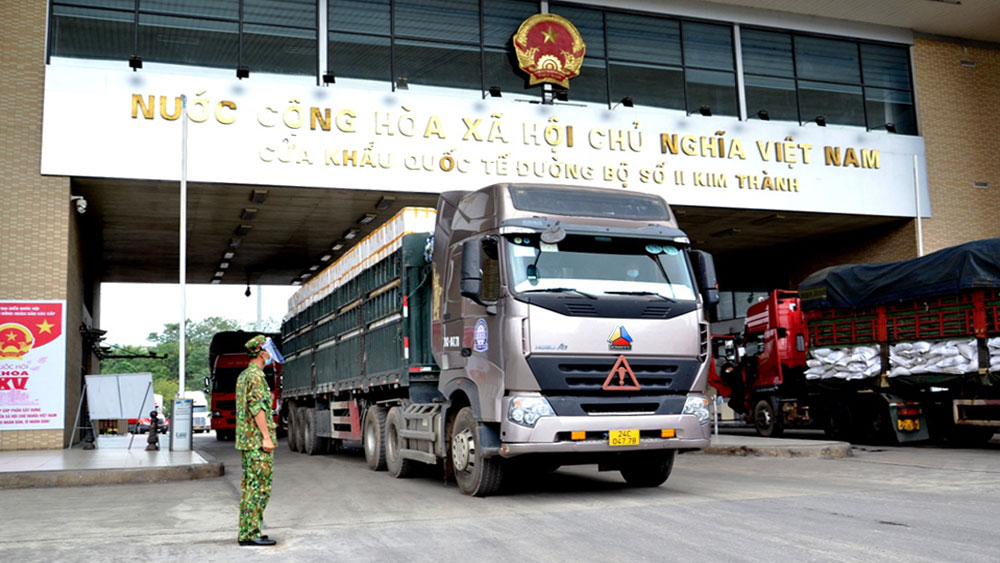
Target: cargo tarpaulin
974 265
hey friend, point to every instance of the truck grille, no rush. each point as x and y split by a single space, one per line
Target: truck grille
586 376
225 405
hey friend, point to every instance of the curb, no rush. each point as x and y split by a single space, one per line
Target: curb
90 477
826 449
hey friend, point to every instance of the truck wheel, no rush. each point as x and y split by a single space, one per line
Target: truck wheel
398 466
293 444
646 470
475 475
373 437
300 428
767 419
313 443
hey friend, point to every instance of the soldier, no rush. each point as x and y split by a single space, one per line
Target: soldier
255 430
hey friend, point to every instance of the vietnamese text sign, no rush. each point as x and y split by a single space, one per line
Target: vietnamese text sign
281 131
32 364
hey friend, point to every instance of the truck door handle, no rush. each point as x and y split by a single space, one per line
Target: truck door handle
466 352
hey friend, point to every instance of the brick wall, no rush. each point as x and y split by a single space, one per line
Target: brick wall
35 253
959 110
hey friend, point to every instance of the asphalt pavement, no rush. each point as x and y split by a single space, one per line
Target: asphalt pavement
880 504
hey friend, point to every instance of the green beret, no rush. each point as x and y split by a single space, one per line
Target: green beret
255 344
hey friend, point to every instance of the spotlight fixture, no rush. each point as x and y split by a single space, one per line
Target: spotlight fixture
235 242
820 120
228 255
494 92
337 245
325 257
889 127
705 110
135 62
351 233
763 115
242 230
329 78
626 101
367 218
402 83
258 196
248 214
562 95
242 72
385 202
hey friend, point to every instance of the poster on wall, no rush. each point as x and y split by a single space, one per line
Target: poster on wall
32 364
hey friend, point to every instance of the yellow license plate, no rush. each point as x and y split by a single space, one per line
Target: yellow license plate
623 437
908 425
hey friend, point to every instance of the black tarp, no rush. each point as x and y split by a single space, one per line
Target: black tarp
945 272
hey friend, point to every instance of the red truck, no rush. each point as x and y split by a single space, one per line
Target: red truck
227 357
878 353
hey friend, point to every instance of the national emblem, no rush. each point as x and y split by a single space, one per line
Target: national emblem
549 49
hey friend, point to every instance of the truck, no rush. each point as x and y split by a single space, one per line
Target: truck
515 325
877 353
227 357
200 415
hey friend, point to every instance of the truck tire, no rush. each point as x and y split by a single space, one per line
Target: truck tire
475 475
398 466
300 427
293 444
312 443
373 437
648 469
767 418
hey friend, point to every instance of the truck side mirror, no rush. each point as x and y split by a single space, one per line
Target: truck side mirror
704 269
208 385
471 283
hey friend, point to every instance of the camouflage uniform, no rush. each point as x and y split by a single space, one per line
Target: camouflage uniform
253 396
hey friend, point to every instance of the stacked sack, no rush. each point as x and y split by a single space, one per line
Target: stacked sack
851 363
994 347
950 356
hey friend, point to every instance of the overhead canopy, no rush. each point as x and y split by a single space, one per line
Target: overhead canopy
945 272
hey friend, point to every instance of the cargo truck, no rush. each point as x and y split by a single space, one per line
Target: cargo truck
547 324
227 357
879 353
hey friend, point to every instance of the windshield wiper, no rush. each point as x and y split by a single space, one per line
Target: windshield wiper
660 295
559 290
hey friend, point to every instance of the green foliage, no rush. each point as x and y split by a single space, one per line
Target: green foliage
198 336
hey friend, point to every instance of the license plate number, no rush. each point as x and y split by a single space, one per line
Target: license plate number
908 424
623 438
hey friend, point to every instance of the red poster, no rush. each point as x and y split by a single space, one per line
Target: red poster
32 364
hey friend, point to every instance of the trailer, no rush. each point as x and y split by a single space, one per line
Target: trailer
227 358
547 325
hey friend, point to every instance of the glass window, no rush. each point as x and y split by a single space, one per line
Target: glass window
831 60
647 85
279 49
776 96
205 8
708 46
448 20
501 18
886 66
438 64
590 203
360 56
767 52
891 106
90 33
590 24
838 103
633 38
502 70
293 13
711 88
359 16
189 41
591 85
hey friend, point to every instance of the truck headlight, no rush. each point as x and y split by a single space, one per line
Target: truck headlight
698 406
527 410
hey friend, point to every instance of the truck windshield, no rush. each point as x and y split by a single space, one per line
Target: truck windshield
599 265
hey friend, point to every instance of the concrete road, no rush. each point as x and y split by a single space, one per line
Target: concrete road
890 504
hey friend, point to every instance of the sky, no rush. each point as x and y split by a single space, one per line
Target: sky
130 311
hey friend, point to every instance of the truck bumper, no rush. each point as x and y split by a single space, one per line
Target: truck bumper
551 434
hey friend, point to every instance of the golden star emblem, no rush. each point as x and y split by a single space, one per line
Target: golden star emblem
45 327
550 36
11 336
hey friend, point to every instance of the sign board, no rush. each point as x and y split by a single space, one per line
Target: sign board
32 365
284 131
180 425
119 396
